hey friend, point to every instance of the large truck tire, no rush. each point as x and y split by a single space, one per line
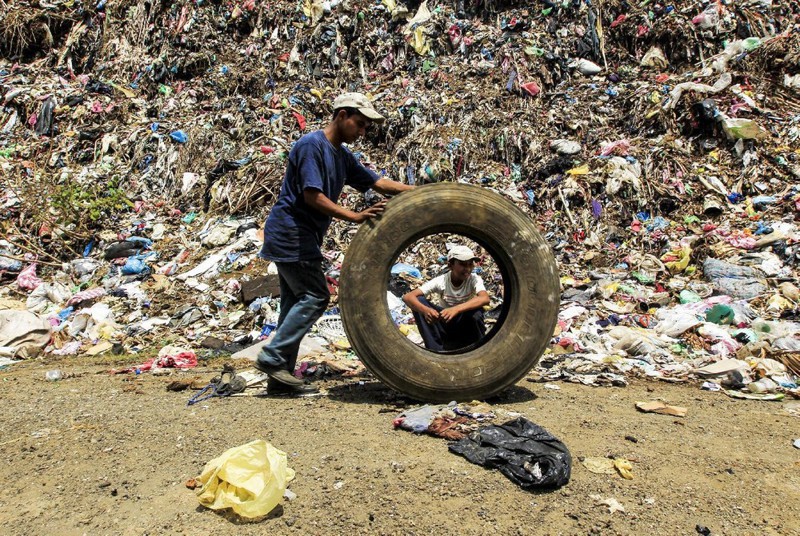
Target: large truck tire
530 301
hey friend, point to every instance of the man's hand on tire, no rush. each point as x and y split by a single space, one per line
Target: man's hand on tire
369 213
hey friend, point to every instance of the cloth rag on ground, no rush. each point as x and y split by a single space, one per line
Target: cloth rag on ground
23 333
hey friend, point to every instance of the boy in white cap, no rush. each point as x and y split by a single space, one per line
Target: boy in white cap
317 170
449 309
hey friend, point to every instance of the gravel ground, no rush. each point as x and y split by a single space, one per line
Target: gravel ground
110 454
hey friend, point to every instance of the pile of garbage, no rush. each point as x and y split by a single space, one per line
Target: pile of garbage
143 142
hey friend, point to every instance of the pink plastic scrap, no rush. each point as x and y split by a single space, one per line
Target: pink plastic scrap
27 279
71 348
183 361
619 147
87 295
743 242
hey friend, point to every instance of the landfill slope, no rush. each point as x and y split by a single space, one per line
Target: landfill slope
143 143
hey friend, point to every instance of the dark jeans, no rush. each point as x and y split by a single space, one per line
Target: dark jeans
304 297
465 329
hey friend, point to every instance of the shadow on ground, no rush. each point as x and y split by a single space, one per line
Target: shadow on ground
374 392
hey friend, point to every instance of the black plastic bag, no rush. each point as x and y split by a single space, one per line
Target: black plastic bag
524 452
123 248
44 123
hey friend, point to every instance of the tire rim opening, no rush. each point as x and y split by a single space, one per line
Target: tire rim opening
423 264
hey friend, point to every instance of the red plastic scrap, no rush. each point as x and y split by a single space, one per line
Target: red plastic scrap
182 360
301 121
619 20
642 320
455 34
531 88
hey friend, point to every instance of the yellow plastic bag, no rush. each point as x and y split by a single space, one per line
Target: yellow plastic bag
420 42
249 478
580 170
677 260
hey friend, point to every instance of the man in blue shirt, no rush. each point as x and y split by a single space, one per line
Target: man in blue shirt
319 167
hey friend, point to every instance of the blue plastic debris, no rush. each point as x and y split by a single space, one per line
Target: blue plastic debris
401 268
179 136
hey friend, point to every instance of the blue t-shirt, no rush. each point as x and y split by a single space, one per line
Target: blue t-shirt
293 230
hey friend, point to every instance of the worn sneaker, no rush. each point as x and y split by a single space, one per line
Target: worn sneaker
278 374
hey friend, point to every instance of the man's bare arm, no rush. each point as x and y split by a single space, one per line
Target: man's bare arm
390 187
319 201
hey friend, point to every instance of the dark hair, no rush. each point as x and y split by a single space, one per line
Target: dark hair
349 110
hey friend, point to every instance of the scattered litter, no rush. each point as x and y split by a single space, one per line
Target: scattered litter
754 396
661 408
452 421
54 375
612 503
609 466
169 357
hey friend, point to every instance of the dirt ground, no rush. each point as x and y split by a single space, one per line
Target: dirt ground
102 454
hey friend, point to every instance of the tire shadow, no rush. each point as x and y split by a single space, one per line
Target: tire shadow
368 392
513 395
374 392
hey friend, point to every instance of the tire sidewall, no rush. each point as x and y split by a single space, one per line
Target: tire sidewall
531 296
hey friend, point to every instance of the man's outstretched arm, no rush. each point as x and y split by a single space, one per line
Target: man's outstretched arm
390 187
319 201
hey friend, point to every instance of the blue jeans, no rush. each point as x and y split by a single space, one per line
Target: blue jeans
465 329
304 297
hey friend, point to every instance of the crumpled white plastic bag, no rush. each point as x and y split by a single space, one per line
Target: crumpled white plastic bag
96 322
47 296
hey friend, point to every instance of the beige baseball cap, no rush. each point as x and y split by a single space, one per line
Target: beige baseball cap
461 253
360 102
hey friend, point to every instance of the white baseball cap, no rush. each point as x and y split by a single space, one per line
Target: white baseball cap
461 253
360 102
